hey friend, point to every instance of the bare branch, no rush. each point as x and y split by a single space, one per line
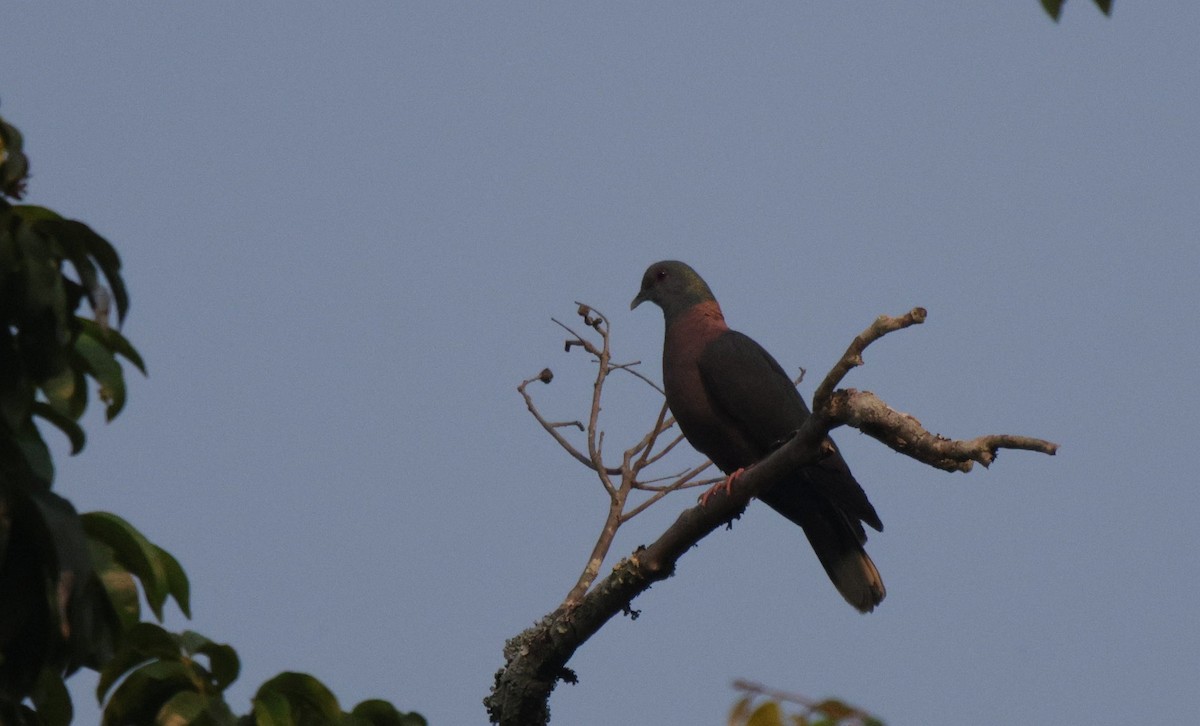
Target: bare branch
686 483
595 438
599 551
866 412
683 482
576 340
680 479
646 445
666 449
551 428
852 358
627 367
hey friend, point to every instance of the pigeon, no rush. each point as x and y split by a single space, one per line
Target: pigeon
734 404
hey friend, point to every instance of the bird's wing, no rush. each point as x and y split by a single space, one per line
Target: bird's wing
750 391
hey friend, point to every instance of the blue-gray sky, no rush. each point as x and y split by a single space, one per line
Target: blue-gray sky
346 227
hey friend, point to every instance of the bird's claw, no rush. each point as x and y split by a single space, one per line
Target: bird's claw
727 485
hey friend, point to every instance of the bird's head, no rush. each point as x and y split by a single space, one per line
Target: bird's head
673 286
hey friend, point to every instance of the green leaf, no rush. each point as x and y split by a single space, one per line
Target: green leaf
79 395
188 708
133 551
835 709
63 423
13 165
183 709
177 581
80 244
98 361
33 213
272 708
110 264
142 694
377 712
16 397
768 714
68 242
34 453
41 316
67 392
307 697
113 340
142 643
78 603
118 583
223 661
51 699
59 391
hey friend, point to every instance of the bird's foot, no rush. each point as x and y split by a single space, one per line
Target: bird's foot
727 485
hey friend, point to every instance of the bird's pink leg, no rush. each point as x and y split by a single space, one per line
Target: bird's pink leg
727 485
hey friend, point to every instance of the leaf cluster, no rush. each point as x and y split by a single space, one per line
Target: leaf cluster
72 585
66 592
169 678
47 352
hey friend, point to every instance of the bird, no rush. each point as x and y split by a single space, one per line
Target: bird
734 404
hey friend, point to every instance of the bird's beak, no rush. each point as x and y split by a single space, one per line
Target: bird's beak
637 301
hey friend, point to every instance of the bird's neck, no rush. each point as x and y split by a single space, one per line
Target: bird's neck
706 316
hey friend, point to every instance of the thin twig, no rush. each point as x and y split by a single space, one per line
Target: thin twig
647 443
852 358
626 367
659 493
551 428
675 484
666 449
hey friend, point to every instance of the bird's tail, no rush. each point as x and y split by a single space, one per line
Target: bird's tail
855 576
837 542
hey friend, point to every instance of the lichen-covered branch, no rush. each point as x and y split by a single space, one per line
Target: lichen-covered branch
866 412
